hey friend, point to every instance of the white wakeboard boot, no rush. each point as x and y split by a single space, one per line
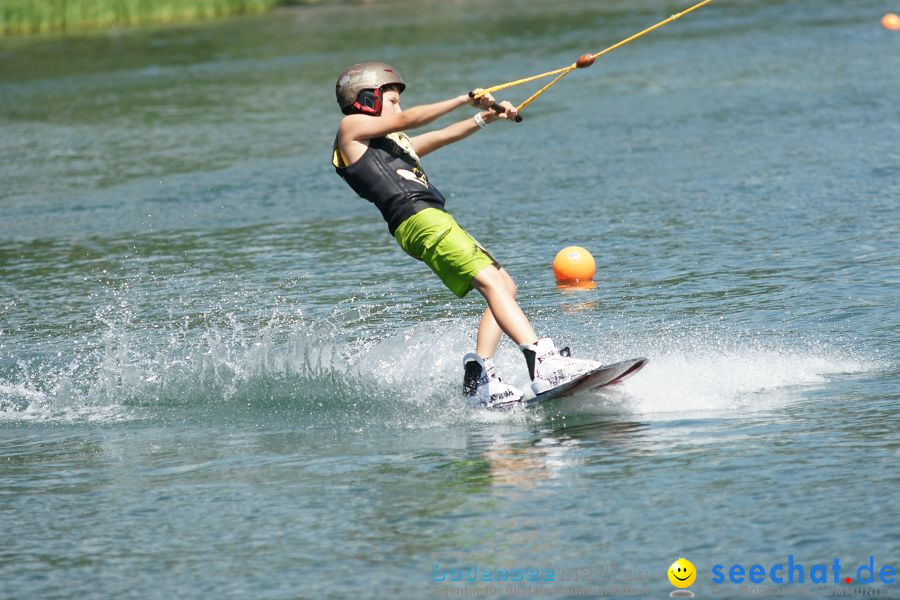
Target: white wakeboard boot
481 385
550 368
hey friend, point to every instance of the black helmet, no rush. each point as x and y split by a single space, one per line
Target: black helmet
366 80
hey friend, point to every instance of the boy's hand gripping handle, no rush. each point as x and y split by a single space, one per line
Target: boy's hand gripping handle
498 109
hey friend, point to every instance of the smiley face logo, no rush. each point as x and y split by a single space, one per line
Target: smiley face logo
682 573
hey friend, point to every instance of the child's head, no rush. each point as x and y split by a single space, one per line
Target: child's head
360 88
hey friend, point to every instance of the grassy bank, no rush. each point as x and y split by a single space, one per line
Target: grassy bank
40 16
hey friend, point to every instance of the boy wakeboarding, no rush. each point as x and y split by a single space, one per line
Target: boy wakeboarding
382 164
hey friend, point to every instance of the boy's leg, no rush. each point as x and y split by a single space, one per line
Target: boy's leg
488 335
503 312
489 331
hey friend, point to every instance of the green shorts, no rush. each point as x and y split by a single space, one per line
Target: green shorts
435 238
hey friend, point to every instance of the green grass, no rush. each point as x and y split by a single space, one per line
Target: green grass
40 16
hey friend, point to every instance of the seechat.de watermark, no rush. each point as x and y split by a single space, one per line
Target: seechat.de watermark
795 572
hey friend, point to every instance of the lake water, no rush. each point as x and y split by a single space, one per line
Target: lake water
220 376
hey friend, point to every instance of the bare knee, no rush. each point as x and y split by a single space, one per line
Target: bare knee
490 279
511 286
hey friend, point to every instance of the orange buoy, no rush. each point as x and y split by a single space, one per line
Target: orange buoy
891 22
573 263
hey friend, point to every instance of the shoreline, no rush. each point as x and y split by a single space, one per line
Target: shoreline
24 18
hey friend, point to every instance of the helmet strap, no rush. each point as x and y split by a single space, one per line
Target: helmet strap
368 102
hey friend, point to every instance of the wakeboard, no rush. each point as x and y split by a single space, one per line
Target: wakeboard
600 377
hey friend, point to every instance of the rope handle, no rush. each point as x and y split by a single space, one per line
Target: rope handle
495 106
584 61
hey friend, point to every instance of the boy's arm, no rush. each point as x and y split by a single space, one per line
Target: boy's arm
431 141
365 127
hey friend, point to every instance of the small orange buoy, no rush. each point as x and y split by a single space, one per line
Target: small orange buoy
891 22
584 61
573 263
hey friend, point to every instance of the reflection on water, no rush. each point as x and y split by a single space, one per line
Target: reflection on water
549 454
521 467
574 286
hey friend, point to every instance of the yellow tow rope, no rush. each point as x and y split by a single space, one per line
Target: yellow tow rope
581 63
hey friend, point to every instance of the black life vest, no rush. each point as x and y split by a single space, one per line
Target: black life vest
389 175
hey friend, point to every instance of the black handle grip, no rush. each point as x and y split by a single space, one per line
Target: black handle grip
498 109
